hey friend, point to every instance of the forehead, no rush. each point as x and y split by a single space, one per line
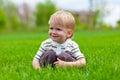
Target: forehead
57 27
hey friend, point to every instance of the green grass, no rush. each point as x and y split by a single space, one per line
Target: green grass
101 49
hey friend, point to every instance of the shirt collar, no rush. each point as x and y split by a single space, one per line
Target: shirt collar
63 44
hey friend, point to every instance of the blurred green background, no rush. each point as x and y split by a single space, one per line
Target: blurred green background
23 18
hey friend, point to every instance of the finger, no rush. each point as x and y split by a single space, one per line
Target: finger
56 62
58 59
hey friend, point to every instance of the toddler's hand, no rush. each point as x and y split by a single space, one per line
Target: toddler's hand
36 64
60 63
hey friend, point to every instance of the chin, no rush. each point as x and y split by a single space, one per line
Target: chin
55 41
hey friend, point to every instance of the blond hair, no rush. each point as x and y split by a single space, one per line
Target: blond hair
62 19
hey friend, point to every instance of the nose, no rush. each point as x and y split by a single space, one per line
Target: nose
53 31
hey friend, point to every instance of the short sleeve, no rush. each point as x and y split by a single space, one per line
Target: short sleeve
74 49
42 49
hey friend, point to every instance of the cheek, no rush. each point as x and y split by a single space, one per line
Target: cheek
49 32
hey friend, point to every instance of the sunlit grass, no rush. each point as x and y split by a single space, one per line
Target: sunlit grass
101 49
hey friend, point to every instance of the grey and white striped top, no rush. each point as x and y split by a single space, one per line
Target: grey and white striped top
68 45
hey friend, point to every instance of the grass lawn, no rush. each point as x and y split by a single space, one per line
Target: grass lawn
101 49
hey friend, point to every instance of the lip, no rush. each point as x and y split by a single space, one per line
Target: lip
54 36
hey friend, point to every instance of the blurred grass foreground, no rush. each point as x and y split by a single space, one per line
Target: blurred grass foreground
101 49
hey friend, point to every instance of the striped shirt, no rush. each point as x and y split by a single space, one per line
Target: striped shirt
68 45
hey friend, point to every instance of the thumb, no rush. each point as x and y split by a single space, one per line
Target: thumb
58 59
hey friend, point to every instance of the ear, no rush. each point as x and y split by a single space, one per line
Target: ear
70 33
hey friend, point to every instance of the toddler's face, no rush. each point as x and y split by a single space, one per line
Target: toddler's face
58 34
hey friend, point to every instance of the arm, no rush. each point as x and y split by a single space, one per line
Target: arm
79 63
35 64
